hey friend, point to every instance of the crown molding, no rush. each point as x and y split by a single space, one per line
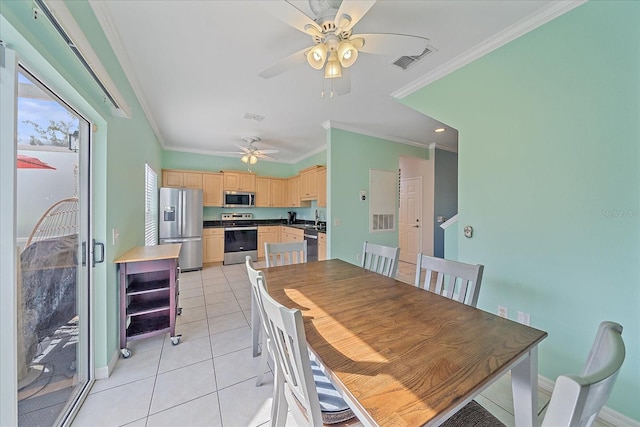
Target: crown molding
533 21
104 19
318 149
337 125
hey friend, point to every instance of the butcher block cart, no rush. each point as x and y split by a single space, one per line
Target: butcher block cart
149 277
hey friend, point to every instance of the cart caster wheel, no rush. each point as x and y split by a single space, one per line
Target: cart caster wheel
179 311
175 340
126 353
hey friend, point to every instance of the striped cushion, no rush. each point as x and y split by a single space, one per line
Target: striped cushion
334 408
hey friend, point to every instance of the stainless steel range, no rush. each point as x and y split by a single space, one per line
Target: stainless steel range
240 238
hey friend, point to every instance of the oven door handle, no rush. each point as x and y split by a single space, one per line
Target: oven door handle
240 228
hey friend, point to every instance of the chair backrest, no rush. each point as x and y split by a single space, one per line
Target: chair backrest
577 399
285 253
381 259
253 278
292 356
455 280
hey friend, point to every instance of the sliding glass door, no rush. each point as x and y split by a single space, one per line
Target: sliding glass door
51 198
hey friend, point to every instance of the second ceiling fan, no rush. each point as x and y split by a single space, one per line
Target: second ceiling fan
335 48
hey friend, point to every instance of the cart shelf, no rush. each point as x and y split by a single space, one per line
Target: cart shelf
148 293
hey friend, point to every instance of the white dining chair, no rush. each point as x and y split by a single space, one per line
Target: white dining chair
576 400
380 259
455 280
285 253
267 351
300 387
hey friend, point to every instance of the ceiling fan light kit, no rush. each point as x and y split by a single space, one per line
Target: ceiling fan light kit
333 69
249 159
335 48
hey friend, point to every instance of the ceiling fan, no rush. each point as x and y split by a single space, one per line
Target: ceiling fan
251 153
335 48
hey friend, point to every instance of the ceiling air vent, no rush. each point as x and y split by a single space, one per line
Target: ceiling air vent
405 62
254 117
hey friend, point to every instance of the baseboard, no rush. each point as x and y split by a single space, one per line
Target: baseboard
606 415
104 372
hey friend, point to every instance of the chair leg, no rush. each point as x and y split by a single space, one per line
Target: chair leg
264 359
256 327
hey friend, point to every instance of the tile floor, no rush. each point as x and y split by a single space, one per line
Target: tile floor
209 378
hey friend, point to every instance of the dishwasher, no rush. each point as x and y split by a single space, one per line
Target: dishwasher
311 236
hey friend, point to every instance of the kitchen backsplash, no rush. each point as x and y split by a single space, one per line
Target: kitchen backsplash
305 213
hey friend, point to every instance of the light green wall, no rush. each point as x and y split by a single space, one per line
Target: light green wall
120 148
315 159
549 129
350 156
451 242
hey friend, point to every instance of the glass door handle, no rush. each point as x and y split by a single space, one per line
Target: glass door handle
101 246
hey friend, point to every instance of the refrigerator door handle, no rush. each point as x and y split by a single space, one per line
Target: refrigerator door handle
183 223
180 212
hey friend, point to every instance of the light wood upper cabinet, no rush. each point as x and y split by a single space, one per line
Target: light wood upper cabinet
213 245
212 189
239 181
270 192
322 187
296 191
309 183
181 179
263 192
278 192
293 187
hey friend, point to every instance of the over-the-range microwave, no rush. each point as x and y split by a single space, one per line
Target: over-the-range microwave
239 199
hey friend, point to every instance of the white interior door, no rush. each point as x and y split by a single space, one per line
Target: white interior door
410 222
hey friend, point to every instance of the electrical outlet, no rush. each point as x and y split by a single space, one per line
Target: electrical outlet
524 318
358 257
115 233
503 312
337 221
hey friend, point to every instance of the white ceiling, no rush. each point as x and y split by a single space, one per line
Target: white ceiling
194 66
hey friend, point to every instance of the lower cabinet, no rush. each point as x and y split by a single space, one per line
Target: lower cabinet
213 245
267 234
290 234
322 246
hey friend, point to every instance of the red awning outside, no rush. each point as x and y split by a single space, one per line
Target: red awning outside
26 162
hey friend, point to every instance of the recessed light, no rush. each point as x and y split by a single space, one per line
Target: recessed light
439 130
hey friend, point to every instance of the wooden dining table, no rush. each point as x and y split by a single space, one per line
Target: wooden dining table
400 355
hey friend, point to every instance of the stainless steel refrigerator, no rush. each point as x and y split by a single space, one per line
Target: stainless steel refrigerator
181 222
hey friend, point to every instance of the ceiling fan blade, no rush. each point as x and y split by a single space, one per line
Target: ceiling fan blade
262 155
266 152
342 85
285 64
290 15
393 44
355 9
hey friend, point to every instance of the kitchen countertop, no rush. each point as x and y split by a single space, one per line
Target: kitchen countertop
302 225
